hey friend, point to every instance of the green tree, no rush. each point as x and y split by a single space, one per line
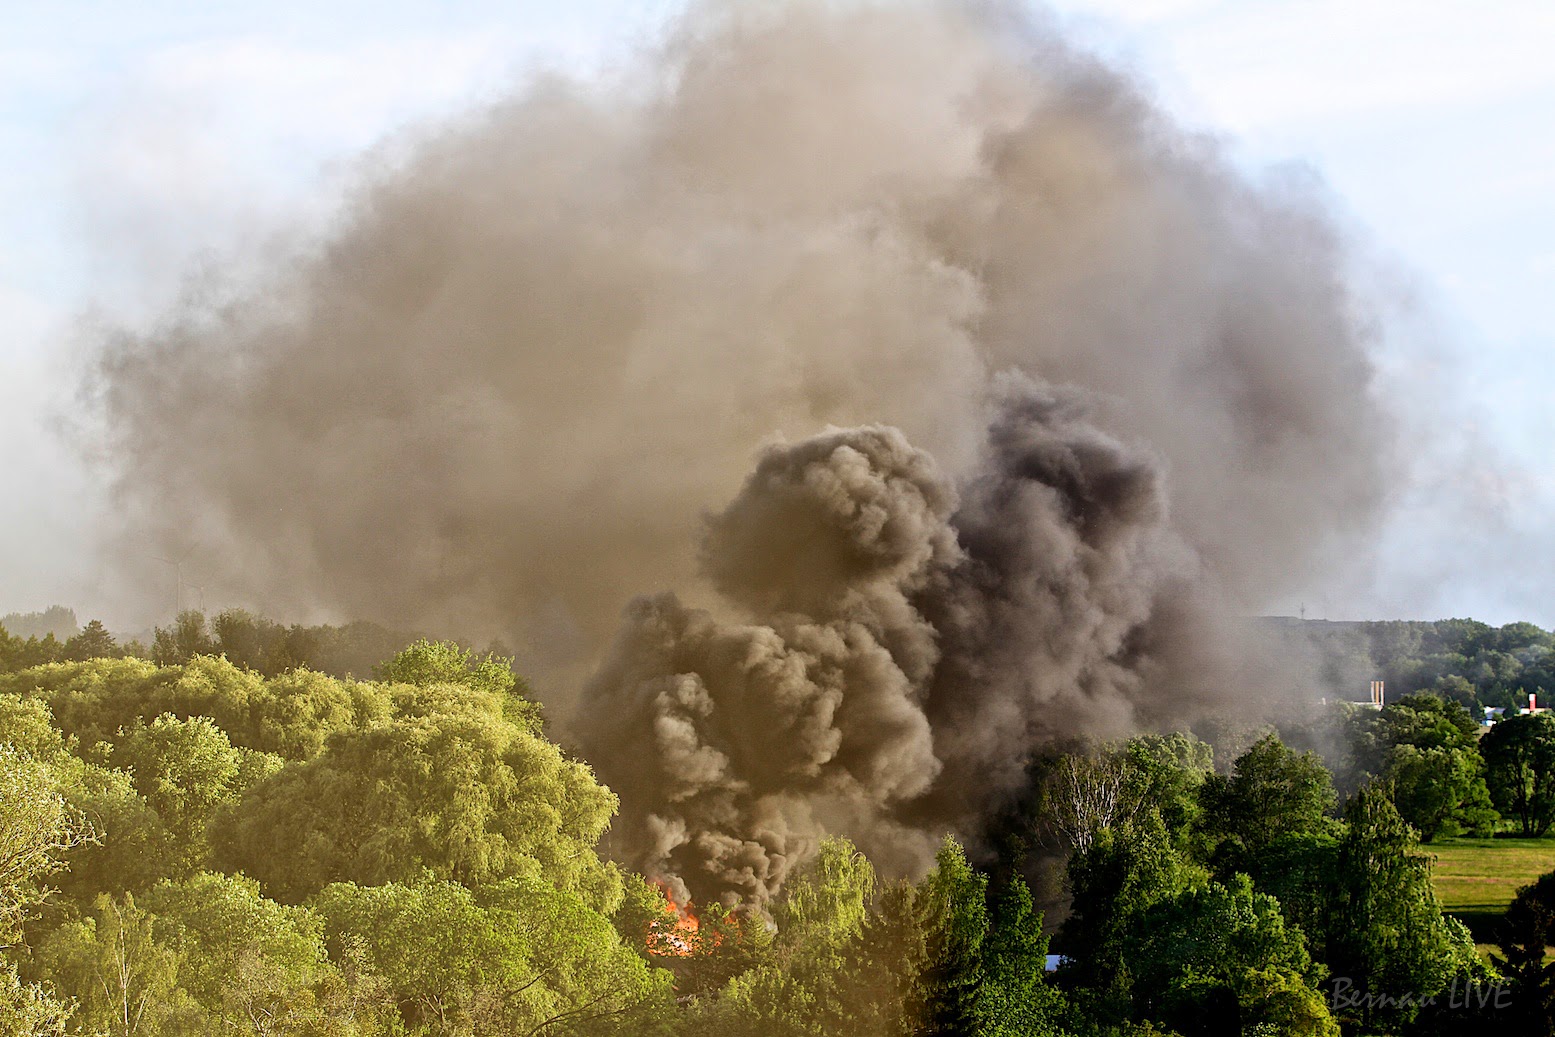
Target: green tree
1168 773
1112 885
294 714
642 909
1220 960
590 982
1087 793
1440 790
185 639
1457 689
21 653
134 848
130 849
124 982
952 902
93 642
1520 763
1426 722
270 648
1271 794
37 827
766 1001
28 1010
1107 786
448 785
92 701
1427 748
883 987
1387 938
185 770
796 987
522 957
1525 935
1518 636
724 944
56 621
253 966
1017 1001
824 904
427 663
1298 871
27 725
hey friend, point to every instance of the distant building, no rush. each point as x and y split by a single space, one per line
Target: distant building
1375 702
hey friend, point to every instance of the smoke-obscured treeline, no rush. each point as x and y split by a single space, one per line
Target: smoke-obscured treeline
1463 660
56 621
253 642
196 847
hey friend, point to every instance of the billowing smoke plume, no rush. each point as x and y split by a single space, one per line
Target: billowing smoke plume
727 738
905 648
1037 386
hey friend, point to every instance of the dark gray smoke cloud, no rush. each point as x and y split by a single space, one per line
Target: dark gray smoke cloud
897 651
726 738
1039 389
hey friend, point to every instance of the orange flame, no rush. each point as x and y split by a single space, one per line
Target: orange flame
674 935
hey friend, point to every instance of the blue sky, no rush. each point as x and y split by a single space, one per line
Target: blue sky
140 137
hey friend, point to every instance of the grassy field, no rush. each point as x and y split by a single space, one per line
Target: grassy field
1481 876
1477 878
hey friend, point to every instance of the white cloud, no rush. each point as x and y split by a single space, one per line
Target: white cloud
1265 63
1138 13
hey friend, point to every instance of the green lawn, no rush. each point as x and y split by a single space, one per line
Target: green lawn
1477 878
1481 876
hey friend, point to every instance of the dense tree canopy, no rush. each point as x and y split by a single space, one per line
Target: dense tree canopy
1272 793
1520 761
1387 931
1220 960
200 844
1426 747
215 824
446 784
37 826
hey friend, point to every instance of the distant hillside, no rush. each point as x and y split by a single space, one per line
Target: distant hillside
1459 659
